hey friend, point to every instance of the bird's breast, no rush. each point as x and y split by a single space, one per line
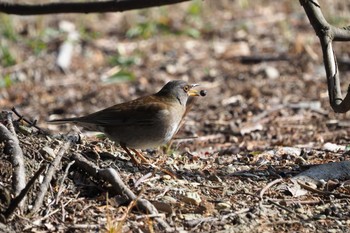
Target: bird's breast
170 132
146 133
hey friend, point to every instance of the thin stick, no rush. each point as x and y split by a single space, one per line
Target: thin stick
51 171
10 126
269 185
113 177
325 193
132 157
14 150
281 206
30 123
15 202
138 154
60 190
196 222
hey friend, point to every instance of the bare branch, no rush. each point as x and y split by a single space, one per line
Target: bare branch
341 34
15 202
327 34
60 190
269 185
14 150
113 177
81 7
31 124
51 171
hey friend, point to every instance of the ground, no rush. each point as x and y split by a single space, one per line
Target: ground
266 116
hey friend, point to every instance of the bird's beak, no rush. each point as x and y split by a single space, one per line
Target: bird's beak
193 92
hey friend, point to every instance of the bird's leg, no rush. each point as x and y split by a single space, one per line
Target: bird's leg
170 173
133 159
143 159
138 154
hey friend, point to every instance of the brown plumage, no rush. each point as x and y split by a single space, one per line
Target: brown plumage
146 122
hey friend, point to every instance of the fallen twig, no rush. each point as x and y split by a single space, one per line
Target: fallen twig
292 201
208 138
244 174
325 193
122 220
283 222
13 149
84 227
269 185
142 179
47 216
195 222
51 171
10 126
30 123
60 190
113 177
15 202
149 216
282 207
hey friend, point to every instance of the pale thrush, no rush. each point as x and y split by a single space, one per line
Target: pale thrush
143 123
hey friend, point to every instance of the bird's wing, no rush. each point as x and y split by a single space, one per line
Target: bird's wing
145 111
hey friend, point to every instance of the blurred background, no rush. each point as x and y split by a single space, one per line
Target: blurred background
260 62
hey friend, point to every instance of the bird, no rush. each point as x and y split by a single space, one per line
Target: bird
143 123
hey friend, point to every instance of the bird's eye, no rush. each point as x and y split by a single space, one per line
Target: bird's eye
186 88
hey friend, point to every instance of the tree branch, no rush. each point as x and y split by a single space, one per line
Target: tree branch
48 177
82 7
13 149
112 176
15 202
327 34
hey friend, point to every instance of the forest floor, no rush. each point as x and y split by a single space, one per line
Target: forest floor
265 119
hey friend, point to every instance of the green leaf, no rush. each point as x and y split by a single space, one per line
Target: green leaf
101 136
120 76
37 45
195 8
5 81
193 32
347 147
7 30
6 58
122 61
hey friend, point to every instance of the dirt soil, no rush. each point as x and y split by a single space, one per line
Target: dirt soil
266 116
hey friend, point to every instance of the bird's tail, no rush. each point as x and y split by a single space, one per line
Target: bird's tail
63 121
79 121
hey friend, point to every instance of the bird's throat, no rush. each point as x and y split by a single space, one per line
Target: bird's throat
179 99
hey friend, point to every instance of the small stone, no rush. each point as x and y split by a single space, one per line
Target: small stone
223 206
48 153
333 230
271 72
189 217
231 169
333 147
192 198
169 199
300 161
166 177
